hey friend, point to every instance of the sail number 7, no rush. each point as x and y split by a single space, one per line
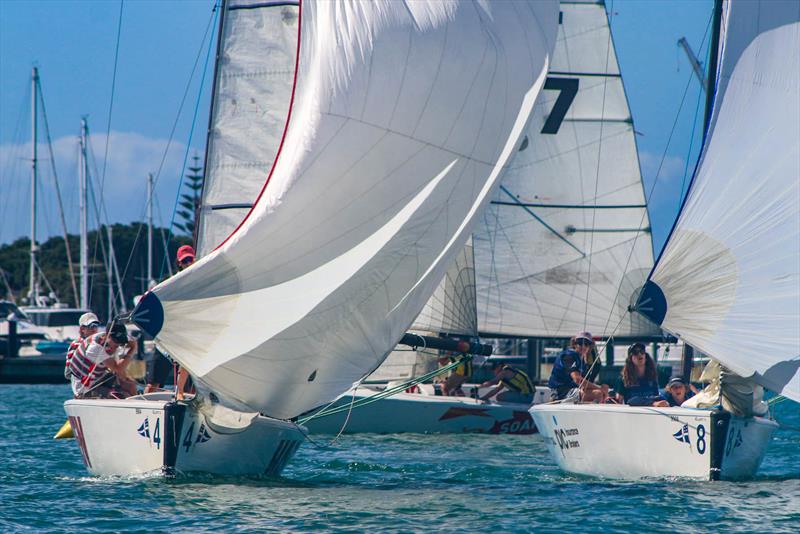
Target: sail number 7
568 88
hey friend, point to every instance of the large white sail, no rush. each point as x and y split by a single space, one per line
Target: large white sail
403 117
728 281
565 244
253 87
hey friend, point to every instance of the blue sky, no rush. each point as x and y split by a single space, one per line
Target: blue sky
73 44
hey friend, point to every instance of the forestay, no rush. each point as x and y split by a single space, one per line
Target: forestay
728 281
402 118
565 244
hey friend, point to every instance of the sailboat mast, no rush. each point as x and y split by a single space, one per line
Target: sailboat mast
712 65
149 230
83 202
34 163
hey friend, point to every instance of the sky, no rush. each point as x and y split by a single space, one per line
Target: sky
73 43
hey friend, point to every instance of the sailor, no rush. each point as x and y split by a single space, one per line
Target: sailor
99 359
520 388
88 324
458 375
675 394
569 380
638 384
159 366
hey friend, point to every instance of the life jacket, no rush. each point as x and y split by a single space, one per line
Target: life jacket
464 369
70 352
519 382
82 367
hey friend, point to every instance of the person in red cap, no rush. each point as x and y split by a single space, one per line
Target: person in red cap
158 365
185 257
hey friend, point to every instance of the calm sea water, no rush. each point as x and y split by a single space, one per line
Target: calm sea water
387 483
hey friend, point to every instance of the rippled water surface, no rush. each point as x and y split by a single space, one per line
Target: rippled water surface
387 483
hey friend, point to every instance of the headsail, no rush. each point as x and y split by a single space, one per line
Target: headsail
252 90
565 244
404 115
728 281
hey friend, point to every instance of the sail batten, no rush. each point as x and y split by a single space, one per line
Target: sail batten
728 280
396 140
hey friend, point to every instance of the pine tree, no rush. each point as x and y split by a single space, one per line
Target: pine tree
190 200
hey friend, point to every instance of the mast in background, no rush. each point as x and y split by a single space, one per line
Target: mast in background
150 281
697 67
83 173
33 293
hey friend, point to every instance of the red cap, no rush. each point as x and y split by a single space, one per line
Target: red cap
186 251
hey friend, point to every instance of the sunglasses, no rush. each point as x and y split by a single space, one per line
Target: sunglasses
186 261
583 342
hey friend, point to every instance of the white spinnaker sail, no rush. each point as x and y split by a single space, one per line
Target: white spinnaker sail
728 281
253 87
560 249
403 118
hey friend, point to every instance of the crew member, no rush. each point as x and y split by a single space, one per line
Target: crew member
519 386
158 366
638 385
88 325
100 358
569 380
458 375
675 394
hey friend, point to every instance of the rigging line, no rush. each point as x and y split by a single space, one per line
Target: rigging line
691 145
658 171
58 195
111 101
211 19
532 214
189 142
597 168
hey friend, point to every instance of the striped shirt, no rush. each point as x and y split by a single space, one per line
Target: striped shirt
87 364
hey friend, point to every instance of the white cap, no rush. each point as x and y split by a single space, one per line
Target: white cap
89 319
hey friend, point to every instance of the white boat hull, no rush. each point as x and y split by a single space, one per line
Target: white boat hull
625 442
426 414
140 435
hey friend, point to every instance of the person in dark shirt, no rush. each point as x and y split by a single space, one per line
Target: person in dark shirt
638 385
675 394
568 378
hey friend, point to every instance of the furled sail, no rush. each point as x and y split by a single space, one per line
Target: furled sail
728 280
565 243
402 118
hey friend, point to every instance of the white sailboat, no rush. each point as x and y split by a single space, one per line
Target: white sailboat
728 280
352 146
525 272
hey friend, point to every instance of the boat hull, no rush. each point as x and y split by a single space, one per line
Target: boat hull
625 442
139 436
425 414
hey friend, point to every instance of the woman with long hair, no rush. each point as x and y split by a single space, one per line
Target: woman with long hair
638 385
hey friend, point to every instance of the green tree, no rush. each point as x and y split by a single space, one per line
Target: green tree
190 200
130 248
